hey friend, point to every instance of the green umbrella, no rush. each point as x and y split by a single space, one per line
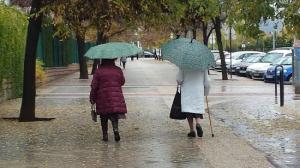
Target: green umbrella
112 50
188 54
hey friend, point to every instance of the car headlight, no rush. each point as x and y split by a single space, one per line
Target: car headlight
285 71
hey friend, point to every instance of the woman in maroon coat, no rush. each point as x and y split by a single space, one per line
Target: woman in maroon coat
106 92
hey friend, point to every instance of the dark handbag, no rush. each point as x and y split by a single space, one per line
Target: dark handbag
176 112
93 113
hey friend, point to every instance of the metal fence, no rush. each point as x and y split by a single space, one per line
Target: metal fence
55 52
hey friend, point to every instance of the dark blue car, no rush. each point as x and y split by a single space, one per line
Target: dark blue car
286 62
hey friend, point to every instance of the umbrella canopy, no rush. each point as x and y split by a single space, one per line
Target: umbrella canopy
112 50
188 54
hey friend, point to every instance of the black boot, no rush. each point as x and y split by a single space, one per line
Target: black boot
199 130
115 126
104 126
192 134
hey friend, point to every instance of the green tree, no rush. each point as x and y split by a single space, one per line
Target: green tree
72 16
290 11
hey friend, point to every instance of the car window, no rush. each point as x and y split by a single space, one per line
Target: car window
287 61
283 61
289 54
249 59
249 54
241 56
271 57
256 59
278 61
235 55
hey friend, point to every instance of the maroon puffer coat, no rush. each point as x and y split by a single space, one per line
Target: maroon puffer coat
106 90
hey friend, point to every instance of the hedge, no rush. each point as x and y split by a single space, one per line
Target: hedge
13 29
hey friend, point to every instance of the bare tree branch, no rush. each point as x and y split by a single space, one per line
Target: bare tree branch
117 32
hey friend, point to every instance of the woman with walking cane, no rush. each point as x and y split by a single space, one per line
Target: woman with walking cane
194 86
193 59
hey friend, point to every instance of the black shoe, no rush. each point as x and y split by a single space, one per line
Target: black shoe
105 137
191 134
199 130
117 136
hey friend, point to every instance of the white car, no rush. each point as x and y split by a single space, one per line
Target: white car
236 58
217 54
257 70
148 54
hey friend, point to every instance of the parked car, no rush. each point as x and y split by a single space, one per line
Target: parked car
286 62
257 70
217 56
240 68
236 57
148 54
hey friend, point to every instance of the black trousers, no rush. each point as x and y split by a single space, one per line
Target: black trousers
104 123
124 63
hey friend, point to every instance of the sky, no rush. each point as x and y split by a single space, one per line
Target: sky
268 26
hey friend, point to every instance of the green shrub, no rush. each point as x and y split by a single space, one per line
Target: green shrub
13 29
40 73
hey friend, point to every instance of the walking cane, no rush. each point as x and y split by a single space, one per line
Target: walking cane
211 130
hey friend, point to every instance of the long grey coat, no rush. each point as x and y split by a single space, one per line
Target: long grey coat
194 86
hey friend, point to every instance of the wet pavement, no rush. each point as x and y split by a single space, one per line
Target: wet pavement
248 108
251 131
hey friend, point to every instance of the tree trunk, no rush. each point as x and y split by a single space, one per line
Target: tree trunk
101 39
204 34
185 33
82 61
27 112
220 47
194 30
194 33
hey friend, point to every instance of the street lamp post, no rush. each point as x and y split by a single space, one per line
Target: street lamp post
274 36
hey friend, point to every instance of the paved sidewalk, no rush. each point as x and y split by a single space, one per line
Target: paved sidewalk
148 137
